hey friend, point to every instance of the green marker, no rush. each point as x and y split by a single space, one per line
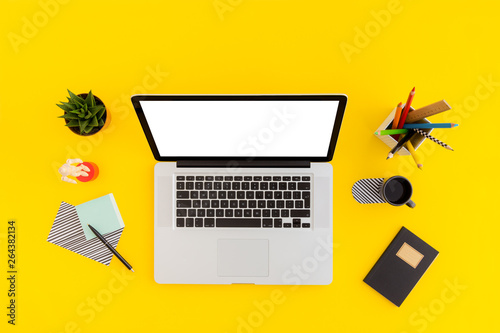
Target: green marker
391 131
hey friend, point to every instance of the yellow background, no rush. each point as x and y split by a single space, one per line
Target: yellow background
446 49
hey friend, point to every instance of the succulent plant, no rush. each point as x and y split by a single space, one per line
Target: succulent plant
83 113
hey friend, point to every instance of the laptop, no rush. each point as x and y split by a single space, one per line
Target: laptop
243 187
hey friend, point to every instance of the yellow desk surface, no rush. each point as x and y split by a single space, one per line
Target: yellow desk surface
373 51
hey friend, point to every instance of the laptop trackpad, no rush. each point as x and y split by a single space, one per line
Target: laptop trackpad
243 257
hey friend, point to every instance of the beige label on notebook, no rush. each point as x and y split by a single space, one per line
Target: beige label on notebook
409 255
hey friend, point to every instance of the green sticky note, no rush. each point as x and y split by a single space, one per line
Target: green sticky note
101 213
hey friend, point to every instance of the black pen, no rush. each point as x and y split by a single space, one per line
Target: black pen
400 144
112 249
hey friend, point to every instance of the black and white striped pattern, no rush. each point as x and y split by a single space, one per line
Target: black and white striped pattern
366 191
67 232
430 137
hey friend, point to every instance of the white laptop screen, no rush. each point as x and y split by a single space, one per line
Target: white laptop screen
246 128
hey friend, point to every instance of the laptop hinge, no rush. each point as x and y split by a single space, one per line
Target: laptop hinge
242 164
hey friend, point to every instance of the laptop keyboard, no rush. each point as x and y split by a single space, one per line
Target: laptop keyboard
243 201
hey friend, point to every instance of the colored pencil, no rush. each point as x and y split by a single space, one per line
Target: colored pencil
432 125
413 153
392 131
400 144
404 113
397 115
430 137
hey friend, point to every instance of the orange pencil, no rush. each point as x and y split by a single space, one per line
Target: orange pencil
395 122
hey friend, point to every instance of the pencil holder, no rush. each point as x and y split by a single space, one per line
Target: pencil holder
416 140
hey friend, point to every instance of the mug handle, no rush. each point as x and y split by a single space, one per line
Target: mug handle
411 204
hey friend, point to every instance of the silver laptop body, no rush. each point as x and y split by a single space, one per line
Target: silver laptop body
243 189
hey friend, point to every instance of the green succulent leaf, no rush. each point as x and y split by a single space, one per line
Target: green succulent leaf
100 113
76 99
75 111
95 109
81 115
90 100
88 129
83 124
65 106
101 122
73 123
68 116
94 122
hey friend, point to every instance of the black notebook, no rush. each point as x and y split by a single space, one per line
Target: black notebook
401 266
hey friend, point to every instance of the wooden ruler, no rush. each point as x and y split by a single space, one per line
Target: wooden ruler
427 111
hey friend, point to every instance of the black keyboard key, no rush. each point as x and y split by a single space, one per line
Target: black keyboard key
278 223
222 195
212 195
252 203
296 224
180 185
192 212
180 222
276 178
275 213
198 222
306 225
292 186
247 178
226 186
287 225
296 178
257 213
307 203
268 194
245 186
209 222
300 213
296 195
228 213
189 186
285 213
259 195
238 213
278 195
299 204
201 213
182 194
238 178
184 203
289 204
287 178
261 203
257 178
233 203
240 195
219 212
217 185
180 177
267 178
287 195
266 213
205 203
190 178
209 178
194 194
238 223
228 178
271 204
198 178
282 186
304 186
250 195
273 186
208 185
264 186
210 212
215 204
189 222
280 204
306 195
231 195
219 178
247 213
243 203
236 186
224 203
181 212
203 194
267 223
254 186
306 178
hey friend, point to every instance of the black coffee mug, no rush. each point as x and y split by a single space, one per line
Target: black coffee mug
397 191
